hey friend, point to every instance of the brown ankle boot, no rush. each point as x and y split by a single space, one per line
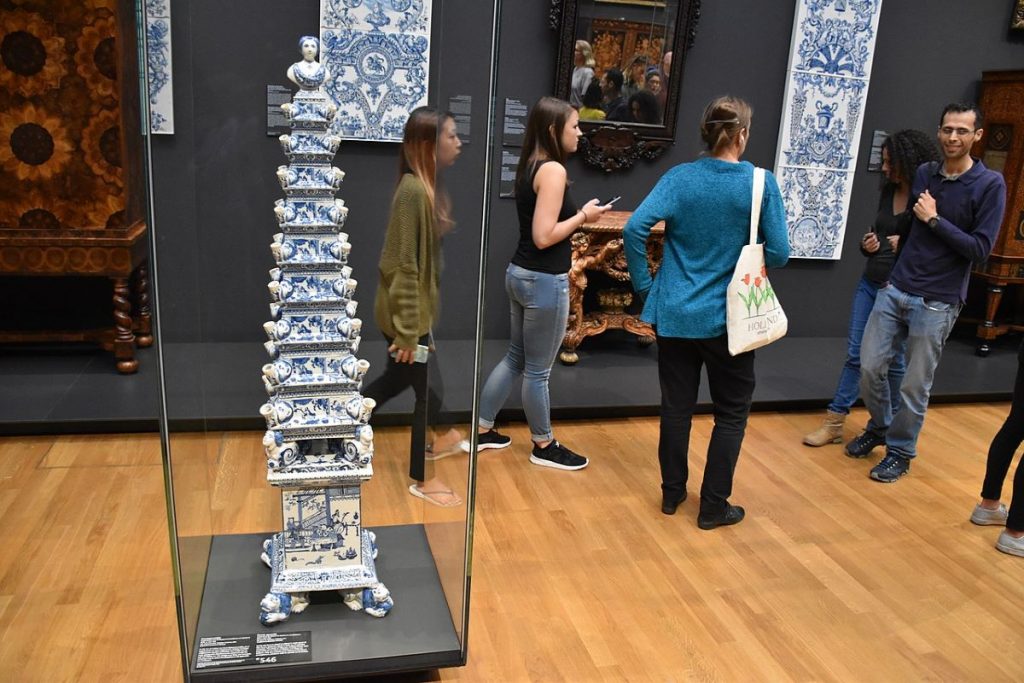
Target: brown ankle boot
830 431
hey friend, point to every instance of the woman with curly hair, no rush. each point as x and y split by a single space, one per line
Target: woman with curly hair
643 107
902 153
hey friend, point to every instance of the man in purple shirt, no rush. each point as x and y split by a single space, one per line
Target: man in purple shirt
958 207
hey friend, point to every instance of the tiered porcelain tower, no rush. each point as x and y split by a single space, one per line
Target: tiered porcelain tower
319 446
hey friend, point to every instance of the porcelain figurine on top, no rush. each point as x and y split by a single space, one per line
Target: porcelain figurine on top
308 74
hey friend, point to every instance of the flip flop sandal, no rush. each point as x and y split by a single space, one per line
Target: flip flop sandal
455 449
427 496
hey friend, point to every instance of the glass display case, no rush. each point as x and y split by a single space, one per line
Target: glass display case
260 274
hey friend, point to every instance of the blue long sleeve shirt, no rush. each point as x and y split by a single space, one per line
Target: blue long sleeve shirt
706 208
936 263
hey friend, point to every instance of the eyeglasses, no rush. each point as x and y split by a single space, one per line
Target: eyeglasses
960 132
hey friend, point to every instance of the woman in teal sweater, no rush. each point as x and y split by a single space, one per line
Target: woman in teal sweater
706 208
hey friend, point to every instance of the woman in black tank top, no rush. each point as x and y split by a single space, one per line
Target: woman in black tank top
537 281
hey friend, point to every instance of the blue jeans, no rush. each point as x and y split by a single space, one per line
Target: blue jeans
849 377
540 309
923 325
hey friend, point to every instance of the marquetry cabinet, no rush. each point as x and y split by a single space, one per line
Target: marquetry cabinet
71 176
1001 148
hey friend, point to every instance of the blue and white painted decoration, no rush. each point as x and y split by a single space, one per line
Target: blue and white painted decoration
158 66
378 55
318 443
829 68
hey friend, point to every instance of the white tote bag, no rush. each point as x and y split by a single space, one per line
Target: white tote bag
753 314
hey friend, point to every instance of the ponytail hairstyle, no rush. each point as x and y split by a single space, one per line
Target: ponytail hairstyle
543 138
418 156
723 119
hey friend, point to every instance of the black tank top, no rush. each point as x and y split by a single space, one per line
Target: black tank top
558 257
880 263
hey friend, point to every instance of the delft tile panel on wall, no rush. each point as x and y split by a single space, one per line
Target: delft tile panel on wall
829 68
60 117
377 53
158 66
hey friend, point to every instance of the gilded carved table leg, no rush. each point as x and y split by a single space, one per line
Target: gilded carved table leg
124 338
643 331
144 338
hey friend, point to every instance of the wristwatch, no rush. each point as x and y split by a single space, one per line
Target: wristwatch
933 222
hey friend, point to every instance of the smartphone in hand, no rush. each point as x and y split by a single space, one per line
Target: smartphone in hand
419 356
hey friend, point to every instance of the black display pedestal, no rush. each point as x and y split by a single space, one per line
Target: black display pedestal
418 633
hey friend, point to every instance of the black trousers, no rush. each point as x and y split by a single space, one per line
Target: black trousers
731 381
425 380
1000 454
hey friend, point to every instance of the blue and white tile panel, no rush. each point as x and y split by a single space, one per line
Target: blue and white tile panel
827 86
158 51
378 56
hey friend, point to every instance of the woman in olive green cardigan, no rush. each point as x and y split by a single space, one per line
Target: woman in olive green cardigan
407 294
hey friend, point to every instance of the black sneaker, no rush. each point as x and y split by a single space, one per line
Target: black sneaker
890 469
862 445
489 439
558 456
733 514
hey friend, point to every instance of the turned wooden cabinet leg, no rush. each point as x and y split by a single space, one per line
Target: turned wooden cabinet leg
124 338
144 338
987 330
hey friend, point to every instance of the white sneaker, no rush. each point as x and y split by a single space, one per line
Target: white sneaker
985 517
1010 545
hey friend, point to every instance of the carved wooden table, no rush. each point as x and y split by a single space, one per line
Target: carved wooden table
598 247
119 255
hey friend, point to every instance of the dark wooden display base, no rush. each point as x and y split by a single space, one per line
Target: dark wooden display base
418 634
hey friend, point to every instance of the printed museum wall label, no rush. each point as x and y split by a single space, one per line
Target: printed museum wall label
507 184
514 129
461 109
875 158
277 122
254 649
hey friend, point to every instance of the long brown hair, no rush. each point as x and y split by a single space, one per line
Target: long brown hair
418 156
723 119
544 135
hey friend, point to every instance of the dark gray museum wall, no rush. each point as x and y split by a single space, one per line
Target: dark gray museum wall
214 178
215 182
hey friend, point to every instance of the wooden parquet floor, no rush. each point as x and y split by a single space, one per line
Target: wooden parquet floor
576 576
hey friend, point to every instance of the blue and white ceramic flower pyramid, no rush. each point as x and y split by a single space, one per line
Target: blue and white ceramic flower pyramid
318 443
